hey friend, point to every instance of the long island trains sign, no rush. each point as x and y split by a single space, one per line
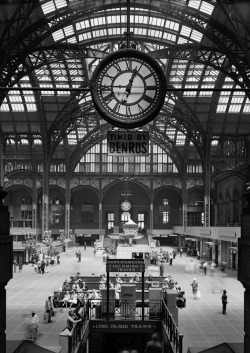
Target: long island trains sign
128 143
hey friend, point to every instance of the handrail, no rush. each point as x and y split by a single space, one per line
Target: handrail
75 336
174 340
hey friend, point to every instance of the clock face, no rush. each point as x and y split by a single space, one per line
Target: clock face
126 205
128 88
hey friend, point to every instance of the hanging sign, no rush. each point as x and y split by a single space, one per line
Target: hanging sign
125 265
128 143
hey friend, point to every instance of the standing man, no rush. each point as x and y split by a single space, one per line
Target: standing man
85 246
224 302
14 265
161 269
205 267
153 346
79 256
49 308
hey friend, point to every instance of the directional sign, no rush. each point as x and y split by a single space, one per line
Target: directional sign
142 326
124 265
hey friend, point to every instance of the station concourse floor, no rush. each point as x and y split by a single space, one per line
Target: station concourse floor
201 322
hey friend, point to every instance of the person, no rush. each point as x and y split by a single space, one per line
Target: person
153 346
14 265
20 267
79 256
212 266
181 252
32 326
49 308
66 286
161 269
71 320
180 301
66 299
42 266
73 298
224 302
205 267
194 285
171 260
85 246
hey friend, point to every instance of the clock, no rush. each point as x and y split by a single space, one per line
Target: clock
126 205
128 88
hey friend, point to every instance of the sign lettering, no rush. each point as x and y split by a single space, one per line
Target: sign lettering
128 143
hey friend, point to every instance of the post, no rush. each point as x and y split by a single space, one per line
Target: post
107 295
6 264
142 295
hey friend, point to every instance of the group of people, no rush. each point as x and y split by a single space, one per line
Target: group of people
17 265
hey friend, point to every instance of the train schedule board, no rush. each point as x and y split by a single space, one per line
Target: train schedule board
128 143
125 265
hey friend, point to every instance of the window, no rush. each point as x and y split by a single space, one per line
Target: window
141 220
125 217
164 217
87 217
111 218
26 214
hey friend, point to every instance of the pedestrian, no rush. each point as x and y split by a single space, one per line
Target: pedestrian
205 267
49 308
20 267
224 302
31 326
42 266
212 266
79 256
153 346
161 269
195 286
181 252
14 265
171 260
85 245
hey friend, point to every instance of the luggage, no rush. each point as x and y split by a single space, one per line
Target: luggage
54 313
46 317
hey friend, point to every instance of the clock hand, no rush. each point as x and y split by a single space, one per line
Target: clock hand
128 87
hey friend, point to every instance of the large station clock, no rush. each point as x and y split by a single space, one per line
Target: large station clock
128 88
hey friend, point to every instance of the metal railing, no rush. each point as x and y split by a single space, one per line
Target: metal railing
123 309
173 339
77 336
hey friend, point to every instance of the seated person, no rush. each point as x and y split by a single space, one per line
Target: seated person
71 320
66 286
66 299
103 279
73 298
136 278
118 279
74 286
94 296
180 300
82 285
78 312
149 280
102 286
165 285
117 287
80 298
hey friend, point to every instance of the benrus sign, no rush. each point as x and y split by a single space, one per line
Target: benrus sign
124 265
128 143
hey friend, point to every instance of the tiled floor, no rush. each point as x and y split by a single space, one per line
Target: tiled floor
201 322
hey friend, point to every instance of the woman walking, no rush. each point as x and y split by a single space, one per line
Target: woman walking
194 285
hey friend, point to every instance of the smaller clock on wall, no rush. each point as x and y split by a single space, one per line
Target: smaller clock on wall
126 205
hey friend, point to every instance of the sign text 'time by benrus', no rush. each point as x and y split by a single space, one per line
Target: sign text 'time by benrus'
128 143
